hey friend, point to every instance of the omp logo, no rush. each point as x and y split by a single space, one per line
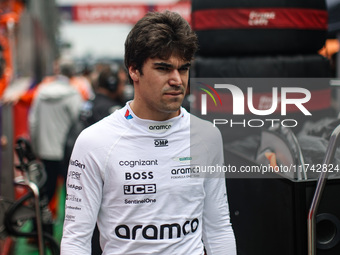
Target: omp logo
157 232
160 128
161 142
204 97
139 189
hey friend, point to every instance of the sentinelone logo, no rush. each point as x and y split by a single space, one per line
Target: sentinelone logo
239 104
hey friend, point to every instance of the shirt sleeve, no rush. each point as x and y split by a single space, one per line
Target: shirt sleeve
218 235
83 197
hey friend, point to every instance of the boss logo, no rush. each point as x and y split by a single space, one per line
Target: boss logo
139 189
161 142
139 175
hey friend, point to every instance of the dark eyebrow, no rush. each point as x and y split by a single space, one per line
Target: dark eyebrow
163 64
187 65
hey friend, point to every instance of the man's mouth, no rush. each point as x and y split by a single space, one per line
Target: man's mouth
177 93
174 92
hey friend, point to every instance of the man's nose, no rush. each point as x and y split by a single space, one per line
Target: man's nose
175 78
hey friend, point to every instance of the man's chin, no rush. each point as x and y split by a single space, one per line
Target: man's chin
171 108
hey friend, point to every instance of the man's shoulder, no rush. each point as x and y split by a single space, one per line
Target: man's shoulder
203 130
199 124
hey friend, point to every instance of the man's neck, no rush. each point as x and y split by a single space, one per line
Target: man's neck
152 115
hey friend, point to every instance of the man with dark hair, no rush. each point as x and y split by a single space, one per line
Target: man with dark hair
136 173
152 37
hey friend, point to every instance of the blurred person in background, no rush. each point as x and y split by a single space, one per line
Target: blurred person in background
109 96
124 79
54 108
79 82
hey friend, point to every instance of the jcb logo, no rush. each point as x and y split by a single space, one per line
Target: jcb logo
139 189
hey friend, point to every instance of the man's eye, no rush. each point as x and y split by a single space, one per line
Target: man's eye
184 69
162 68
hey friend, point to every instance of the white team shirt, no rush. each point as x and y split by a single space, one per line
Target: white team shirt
139 180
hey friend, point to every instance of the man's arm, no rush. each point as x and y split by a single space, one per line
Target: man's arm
83 198
218 235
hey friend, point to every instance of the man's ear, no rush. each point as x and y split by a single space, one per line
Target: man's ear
134 73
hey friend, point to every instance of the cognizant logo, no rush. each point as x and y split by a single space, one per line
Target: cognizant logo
239 102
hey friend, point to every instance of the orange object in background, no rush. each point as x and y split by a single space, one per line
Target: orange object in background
9 12
6 54
331 47
78 82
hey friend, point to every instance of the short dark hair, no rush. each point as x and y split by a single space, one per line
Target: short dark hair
67 69
109 80
159 35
